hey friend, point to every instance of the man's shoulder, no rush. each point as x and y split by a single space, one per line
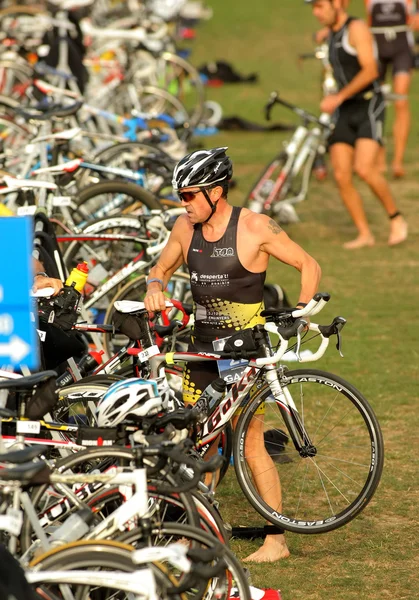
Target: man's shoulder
357 26
182 224
257 224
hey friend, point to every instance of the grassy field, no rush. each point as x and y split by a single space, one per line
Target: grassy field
376 289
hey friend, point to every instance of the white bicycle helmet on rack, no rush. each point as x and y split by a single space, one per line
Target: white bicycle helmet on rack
130 397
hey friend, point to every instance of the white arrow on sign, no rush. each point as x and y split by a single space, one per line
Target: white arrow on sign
16 348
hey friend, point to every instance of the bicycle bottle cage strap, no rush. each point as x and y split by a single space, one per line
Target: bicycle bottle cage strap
241 343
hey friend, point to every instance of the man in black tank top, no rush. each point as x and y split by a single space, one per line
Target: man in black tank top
358 114
391 22
227 251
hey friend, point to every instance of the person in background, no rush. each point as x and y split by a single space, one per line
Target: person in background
358 115
392 24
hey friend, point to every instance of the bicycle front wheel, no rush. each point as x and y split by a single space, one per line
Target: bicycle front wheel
322 489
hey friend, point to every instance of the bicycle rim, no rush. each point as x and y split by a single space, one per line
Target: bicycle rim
328 489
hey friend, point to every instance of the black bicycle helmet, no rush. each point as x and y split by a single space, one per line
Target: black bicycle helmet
203 168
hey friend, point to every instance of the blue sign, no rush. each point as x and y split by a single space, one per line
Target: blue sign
18 337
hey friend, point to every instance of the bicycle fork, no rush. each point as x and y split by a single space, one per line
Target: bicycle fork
290 414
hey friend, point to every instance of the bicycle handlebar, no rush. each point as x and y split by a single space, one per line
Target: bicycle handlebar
286 333
306 116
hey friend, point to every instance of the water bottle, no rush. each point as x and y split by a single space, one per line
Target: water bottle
74 528
78 277
210 397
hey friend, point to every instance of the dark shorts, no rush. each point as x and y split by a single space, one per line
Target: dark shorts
397 53
359 118
198 375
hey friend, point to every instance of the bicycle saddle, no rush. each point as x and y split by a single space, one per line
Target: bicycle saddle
54 111
23 473
23 456
27 383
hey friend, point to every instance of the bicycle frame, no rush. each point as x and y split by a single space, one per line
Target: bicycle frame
235 396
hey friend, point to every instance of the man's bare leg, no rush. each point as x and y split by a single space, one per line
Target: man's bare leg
269 487
342 157
365 165
381 160
401 128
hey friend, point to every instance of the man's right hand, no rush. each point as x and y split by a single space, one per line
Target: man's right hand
155 300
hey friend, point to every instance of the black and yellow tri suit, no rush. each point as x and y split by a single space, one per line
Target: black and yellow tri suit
227 298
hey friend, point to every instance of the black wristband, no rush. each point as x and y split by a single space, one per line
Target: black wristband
41 274
302 304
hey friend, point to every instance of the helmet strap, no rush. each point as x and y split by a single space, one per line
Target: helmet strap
213 205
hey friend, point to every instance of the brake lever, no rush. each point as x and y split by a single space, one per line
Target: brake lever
298 346
339 327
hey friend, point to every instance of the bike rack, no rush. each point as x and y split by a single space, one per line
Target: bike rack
251 533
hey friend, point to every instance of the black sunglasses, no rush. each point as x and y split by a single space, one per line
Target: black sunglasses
189 195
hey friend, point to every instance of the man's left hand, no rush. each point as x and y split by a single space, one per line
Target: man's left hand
330 103
41 282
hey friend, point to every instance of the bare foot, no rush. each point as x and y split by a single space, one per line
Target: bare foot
360 242
398 231
398 171
274 548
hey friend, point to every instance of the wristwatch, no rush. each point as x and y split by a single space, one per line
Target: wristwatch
41 274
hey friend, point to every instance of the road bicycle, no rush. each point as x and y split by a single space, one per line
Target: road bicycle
284 181
331 461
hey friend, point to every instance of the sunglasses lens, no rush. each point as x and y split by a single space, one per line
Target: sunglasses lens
187 196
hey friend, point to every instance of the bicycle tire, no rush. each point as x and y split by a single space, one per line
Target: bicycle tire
185 532
152 157
88 389
210 518
192 77
337 487
92 196
180 507
110 256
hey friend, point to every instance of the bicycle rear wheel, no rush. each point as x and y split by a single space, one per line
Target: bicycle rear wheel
112 197
323 489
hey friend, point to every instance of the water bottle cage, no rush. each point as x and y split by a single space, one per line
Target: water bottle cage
61 310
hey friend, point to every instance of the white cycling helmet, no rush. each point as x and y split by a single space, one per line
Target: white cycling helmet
139 397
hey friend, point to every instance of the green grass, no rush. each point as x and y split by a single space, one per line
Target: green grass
376 289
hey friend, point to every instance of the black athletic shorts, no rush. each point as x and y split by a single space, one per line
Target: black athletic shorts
359 118
398 53
197 375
